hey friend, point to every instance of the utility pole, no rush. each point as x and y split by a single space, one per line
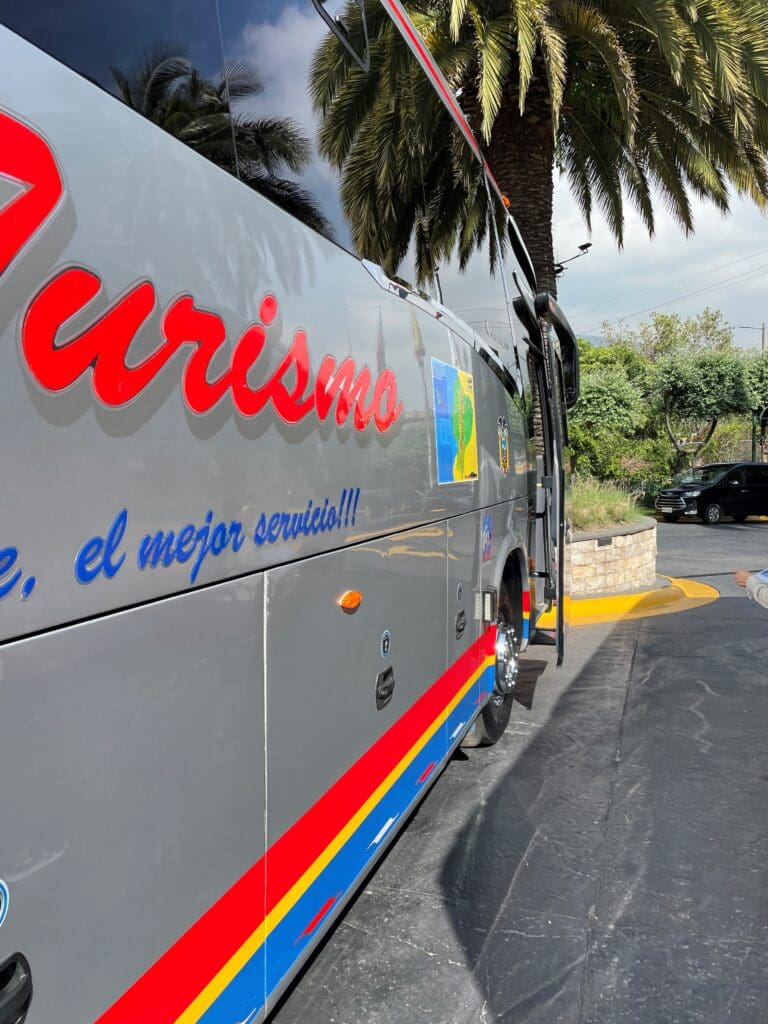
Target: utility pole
761 328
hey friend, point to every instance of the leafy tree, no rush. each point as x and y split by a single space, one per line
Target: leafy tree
630 99
168 90
632 362
667 334
612 414
756 370
695 391
609 402
731 442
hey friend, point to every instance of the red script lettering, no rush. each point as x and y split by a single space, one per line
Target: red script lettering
56 358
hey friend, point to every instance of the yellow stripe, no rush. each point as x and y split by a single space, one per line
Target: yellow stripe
680 596
234 965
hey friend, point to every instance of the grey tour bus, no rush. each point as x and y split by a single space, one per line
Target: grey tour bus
282 498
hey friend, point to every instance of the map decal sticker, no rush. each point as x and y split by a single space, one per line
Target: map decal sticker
453 394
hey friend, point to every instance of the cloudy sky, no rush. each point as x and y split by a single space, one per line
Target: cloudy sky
724 265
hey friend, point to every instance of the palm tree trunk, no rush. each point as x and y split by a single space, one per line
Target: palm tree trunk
521 154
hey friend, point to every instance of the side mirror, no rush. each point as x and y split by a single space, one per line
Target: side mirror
548 309
734 482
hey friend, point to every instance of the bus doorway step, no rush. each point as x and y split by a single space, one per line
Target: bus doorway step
544 637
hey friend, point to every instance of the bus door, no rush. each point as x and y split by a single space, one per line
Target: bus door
561 366
546 424
548 543
554 489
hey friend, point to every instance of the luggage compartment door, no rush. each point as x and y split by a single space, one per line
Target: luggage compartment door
354 700
131 800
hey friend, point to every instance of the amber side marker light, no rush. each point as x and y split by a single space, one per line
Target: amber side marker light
350 601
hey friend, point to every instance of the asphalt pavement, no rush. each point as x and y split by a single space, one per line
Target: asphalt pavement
607 861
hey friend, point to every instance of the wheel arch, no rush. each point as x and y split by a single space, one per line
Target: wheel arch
512 568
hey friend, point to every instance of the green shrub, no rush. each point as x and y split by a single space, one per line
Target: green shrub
593 504
731 441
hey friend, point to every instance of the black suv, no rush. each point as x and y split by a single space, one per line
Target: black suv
736 489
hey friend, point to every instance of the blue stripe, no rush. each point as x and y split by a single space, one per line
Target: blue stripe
244 994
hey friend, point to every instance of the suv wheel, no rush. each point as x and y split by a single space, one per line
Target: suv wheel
712 514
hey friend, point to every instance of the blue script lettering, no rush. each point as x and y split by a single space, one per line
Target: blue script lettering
166 547
98 553
8 558
313 520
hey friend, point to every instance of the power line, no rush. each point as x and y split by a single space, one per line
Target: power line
670 284
728 282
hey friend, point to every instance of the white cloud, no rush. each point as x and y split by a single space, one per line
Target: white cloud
281 53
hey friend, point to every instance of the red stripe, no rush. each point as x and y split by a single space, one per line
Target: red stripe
490 640
426 772
489 172
435 74
319 915
169 986
526 601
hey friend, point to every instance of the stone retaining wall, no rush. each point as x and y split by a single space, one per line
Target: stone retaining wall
609 561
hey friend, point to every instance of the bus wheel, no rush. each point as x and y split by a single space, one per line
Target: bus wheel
489 726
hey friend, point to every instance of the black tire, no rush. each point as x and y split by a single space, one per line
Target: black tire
670 519
712 514
739 519
490 724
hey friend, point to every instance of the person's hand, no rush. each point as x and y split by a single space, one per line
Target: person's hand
741 576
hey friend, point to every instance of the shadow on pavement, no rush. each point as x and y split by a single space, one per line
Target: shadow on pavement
605 863
617 870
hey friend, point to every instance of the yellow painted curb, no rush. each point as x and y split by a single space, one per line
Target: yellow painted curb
682 595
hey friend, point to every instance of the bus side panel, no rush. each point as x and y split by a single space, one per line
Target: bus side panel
338 784
132 794
142 207
501 432
463 613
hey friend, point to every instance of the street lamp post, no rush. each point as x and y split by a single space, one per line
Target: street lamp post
560 265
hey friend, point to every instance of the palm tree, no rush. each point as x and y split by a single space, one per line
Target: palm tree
630 99
165 88
405 172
